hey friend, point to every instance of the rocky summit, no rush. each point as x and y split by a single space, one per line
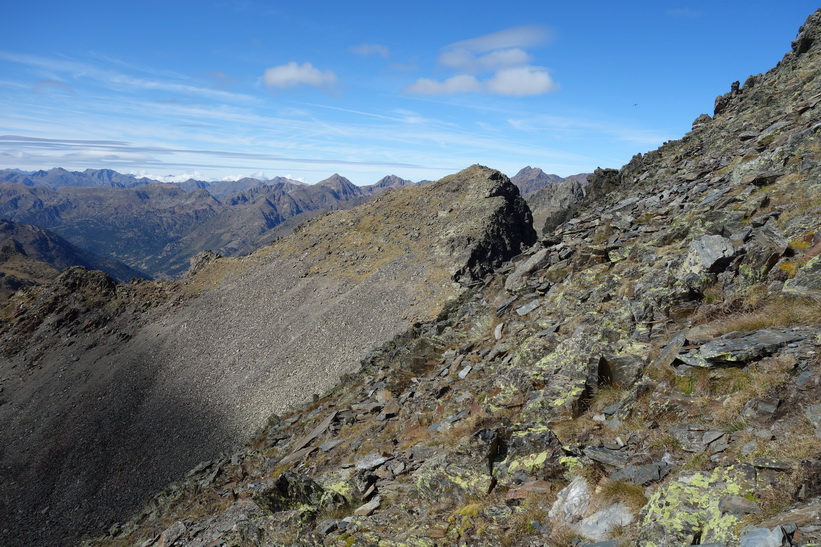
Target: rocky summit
647 373
109 391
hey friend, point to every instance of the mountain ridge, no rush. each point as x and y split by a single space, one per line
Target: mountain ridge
647 374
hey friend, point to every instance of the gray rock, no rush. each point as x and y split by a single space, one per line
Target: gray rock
738 505
599 525
694 437
739 347
518 278
763 537
371 462
763 408
529 307
327 526
368 508
572 502
605 455
668 354
708 254
642 474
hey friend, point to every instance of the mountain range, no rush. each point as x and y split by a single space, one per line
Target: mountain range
156 228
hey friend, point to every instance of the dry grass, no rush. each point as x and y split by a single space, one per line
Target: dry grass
606 396
534 508
632 495
774 313
735 387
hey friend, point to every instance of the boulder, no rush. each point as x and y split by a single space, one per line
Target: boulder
708 254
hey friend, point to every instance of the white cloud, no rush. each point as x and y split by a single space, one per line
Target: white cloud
461 83
366 50
465 61
521 81
516 37
499 59
292 75
515 82
196 175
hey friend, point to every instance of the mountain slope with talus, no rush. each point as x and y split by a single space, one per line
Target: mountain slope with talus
108 391
647 374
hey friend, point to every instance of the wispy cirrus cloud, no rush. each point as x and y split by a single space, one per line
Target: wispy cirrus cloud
60 71
367 50
293 75
500 58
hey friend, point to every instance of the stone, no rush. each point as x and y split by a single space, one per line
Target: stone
708 254
599 525
327 446
739 347
518 278
642 474
572 502
371 461
694 437
529 307
605 455
763 537
738 505
368 508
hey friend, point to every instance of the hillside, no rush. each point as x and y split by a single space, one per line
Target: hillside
110 391
647 374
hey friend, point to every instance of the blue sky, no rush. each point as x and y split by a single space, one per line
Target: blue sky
221 89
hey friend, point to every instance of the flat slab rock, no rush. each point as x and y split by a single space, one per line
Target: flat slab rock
739 347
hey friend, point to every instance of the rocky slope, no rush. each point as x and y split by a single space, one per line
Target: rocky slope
109 391
648 374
